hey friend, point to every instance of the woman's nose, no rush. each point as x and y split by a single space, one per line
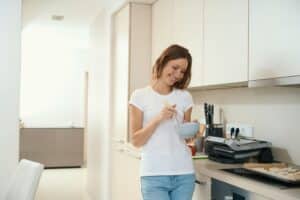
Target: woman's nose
178 74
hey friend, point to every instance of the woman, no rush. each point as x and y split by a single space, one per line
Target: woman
167 171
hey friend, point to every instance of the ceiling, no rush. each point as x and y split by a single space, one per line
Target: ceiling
78 14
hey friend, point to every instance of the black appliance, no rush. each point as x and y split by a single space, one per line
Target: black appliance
237 150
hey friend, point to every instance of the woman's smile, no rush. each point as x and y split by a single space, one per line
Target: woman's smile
174 71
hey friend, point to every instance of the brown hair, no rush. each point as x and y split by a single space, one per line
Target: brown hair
171 53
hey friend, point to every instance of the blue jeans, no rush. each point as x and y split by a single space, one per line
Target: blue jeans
178 187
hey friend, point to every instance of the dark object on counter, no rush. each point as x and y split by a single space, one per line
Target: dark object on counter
234 133
209 113
212 129
265 156
237 151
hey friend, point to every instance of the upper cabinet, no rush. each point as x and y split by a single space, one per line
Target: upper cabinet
188 31
131 61
179 22
162 27
274 39
225 41
215 32
232 41
140 49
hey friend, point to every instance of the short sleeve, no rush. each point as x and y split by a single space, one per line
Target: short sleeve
136 99
188 100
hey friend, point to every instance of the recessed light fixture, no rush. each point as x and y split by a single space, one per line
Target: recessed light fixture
57 17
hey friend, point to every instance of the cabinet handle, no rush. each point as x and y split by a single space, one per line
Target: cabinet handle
132 154
200 182
119 141
120 150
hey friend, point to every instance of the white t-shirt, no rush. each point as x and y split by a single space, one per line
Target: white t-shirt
165 153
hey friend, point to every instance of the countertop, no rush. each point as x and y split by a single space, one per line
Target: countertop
212 169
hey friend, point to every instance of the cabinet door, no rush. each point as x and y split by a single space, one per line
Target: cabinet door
133 178
125 182
118 175
274 38
188 32
140 46
225 41
162 23
120 73
202 188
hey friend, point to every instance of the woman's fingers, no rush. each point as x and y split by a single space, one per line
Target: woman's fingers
168 111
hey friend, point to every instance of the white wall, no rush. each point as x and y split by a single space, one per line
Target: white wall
98 110
52 78
274 113
10 34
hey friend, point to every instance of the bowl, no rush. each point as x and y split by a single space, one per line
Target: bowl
188 129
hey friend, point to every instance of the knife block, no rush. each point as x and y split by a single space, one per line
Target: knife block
215 130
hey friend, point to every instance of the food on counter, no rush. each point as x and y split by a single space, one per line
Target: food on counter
280 170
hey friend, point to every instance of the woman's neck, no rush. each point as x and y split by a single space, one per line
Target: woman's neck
161 88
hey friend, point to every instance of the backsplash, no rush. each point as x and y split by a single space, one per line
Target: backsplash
273 112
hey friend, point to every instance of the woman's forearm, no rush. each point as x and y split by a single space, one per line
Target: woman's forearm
141 136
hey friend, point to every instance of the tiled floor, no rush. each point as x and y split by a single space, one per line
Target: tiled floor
62 184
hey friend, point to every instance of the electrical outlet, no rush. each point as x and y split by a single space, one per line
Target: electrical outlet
246 130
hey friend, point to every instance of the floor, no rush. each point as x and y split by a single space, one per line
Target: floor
62 184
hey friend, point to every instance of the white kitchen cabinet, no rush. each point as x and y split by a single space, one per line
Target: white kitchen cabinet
131 61
274 39
202 187
118 175
188 32
140 46
215 32
225 41
132 178
162 27
125 176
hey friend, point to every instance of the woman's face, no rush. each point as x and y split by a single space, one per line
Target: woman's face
174 71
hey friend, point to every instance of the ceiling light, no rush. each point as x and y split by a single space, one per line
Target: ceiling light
57 17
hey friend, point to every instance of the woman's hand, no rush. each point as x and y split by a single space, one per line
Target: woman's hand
167 113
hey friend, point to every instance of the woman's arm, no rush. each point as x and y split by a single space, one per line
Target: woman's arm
139 135
187 115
